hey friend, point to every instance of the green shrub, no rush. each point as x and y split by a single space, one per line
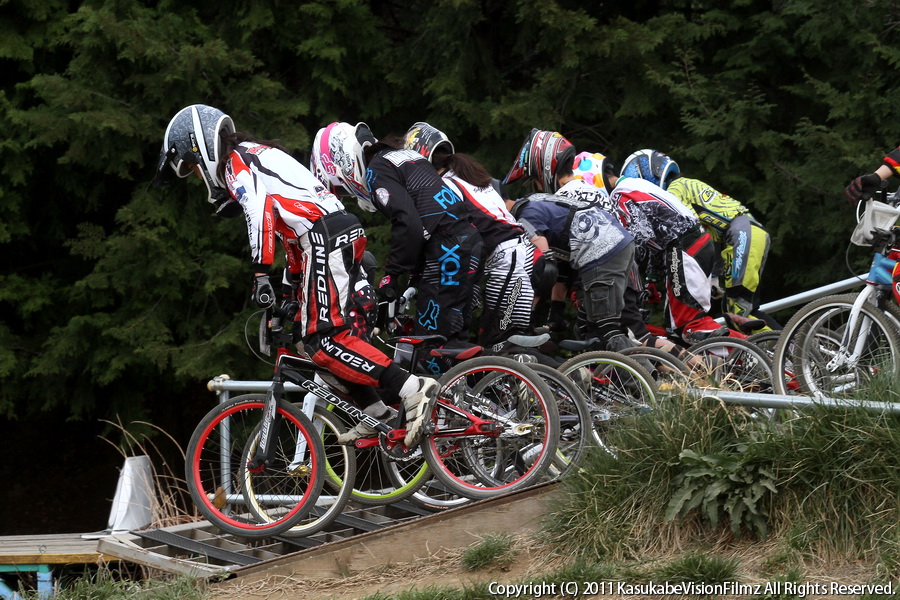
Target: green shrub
825 482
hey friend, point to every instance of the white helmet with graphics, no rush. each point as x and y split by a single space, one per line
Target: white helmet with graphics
193 144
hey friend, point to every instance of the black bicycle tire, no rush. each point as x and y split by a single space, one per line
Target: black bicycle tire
749 348
312 523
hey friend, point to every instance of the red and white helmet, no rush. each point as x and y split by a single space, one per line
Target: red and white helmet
539 158
338 157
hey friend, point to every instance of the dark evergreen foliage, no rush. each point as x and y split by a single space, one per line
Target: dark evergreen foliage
122 299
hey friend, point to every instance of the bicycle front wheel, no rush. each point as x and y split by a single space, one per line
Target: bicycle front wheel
667 368
574 419
735 364
836 351
285 490
381 480
494 428
616 386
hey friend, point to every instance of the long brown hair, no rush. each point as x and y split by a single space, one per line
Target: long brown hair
392 142
463 166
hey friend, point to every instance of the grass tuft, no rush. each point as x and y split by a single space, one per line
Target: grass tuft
698 567
493 551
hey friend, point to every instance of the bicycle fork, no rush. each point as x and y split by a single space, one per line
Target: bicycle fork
848 355
268 429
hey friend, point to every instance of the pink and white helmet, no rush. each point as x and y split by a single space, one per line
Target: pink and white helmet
338 159
320 162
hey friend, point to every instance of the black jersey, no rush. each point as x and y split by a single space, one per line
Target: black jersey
407 189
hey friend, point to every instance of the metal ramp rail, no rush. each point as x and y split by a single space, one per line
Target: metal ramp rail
200 549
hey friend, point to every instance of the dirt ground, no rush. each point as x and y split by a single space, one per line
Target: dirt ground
442 570
446 570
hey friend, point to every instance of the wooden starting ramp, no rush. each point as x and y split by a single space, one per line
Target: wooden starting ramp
362 537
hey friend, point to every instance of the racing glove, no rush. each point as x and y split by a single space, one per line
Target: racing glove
862 188
263 293
389 289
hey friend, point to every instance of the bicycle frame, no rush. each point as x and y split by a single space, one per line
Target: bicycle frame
847 355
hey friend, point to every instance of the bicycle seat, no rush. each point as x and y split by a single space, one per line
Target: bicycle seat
744 324
580 345
417 339
529 341
461 352
299 362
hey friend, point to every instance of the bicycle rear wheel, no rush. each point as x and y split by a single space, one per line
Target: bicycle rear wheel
494 428
285 489
828 357
616 386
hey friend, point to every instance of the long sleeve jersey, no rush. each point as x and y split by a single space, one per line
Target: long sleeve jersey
714 209
408 191
654 217
279 197
585 237
488 211
892 160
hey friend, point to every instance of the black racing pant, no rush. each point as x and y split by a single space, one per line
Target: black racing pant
452 268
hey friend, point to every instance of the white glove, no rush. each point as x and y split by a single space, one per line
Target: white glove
717 291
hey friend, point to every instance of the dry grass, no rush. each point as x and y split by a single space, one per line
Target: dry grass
171 504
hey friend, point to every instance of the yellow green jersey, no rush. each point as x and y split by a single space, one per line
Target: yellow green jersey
714 209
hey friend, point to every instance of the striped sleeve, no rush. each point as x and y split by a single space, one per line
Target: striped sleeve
893 161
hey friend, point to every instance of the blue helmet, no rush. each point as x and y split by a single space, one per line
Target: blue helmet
652 165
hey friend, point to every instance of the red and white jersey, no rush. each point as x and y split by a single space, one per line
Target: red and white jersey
488 210
279 196
654 217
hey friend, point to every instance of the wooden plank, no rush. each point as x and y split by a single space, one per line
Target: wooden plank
124 547
412 540
50 549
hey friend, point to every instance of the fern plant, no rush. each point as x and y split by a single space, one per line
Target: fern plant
731 484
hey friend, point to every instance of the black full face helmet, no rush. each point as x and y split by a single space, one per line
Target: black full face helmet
425 139
193 143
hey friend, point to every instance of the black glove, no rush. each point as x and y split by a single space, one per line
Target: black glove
862 188
557 321
289 302
389 290
263 293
